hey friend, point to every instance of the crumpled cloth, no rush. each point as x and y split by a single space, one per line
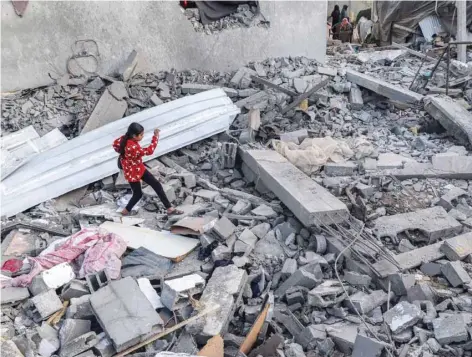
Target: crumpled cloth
93 248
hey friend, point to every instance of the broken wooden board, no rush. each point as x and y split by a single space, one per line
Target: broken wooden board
213 348
251 337
383 88
163 243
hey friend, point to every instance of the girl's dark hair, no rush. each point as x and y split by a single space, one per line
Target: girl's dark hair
134 129
336 7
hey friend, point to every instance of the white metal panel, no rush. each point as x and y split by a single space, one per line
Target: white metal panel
90 157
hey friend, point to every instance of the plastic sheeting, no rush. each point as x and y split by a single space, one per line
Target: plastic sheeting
92 249
409 14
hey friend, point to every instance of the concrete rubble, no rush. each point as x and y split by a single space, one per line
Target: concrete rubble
361 247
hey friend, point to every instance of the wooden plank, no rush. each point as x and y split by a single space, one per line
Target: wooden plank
251 337
305 95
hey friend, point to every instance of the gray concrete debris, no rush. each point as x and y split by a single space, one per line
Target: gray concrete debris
13 295
80 308
448 199
309 202
355 98
121 305
356 279
78 345
344 336
104 346
176 292
449 329
421 291
309 276
224 288
455 273
73 328
383 88
41 306
261 230
74 289
97 280
294 136
294 350
367 347
400 283
434 222
402 316
459 248
327 294
290 267
452 116
224 228
428 308
127 69
229 152
365 303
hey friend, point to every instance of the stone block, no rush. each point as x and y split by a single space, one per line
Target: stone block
455 273
73 328
310 335
390 160
309 201
459 248
365 303
289 267
421 291
447 200
402 316
124 313
400 283
431 268
344 336
357 279
74 289
302 277
241 207
78 345
41 306
224 228
367 347
221 252
355 98
175 292
104 346
248 238
97 280
207 195
340 169
261 230
449 329
13 294
224 288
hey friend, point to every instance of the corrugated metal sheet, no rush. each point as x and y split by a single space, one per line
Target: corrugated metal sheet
430 26
90 157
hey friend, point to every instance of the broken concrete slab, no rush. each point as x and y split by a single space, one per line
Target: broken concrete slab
127 69
367 347
73 328
449 329
41 306
434 222
225 289
452 116
416 257
224 228
162 243
383 88
90 157
365 303
124 313
447 200
391 160
310 335
309 276
13 294
107 110
78 345
344 336
340 169
355 98
459 248
74 289
194 88
176 292
296 137
455 273
327 294
308 201
402 316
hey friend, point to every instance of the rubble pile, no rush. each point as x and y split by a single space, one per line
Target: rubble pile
333 218
245 16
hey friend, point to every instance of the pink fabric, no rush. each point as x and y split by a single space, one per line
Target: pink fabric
102 251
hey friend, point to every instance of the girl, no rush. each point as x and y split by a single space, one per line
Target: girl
131 161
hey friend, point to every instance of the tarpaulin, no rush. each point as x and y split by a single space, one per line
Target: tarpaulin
94 249
211 11
409 14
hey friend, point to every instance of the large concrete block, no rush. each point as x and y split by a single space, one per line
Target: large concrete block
13 294
402 316
383 88
452 116
459 248
434 222
448 329
308 201
41 306
124 313
224 288
176 291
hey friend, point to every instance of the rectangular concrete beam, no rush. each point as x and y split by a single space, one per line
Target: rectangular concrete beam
414 258
452 116
309 202
383 88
